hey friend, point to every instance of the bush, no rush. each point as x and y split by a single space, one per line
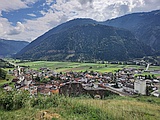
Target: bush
44 102
13 100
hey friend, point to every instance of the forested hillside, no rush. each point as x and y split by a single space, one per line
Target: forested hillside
145 26
87 42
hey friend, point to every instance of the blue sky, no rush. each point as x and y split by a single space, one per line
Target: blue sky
28 19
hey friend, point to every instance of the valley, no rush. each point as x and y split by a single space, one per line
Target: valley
79 68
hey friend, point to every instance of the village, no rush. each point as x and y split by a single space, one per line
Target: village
98 85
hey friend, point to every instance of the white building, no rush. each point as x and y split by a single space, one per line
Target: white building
140 86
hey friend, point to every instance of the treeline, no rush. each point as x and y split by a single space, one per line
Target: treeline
3 74
5 64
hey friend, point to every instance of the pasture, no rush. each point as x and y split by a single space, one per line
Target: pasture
75 66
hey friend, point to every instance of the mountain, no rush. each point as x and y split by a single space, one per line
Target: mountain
10 47
85 41
145 26
60 28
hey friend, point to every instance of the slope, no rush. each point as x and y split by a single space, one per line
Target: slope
10 47
145 26
60 28
87 42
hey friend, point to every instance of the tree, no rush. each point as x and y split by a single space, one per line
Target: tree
3 74
149 77
153 76
37 79
146 77
51 77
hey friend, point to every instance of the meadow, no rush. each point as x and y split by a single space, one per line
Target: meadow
75 66
7 80
21 107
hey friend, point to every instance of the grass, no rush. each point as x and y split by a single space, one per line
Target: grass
63 108
68 66
9 77
126 110
77 67
7 80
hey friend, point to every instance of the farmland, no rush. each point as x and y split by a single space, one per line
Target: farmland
75 66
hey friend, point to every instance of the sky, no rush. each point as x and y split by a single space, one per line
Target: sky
26 20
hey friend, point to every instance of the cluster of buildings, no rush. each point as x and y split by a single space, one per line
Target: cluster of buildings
46 82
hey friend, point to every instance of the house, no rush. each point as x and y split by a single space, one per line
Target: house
128 88
17 85
7 88
48 86
45 91
140 86
15 80
24 88
54 90
27 82
156 93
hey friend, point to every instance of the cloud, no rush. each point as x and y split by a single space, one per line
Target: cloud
17 30
148 5
7 30
85 1
8 5
48 2
32 15
4 27
29 1
65 10
1 28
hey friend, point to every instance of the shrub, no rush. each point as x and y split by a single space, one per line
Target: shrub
13 100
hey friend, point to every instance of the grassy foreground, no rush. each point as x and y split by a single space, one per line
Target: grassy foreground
20 106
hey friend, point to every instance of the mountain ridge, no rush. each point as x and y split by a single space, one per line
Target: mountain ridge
59 28
10 47
87 42
144 25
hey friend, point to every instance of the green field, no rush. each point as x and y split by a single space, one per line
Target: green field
75 66
7 80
